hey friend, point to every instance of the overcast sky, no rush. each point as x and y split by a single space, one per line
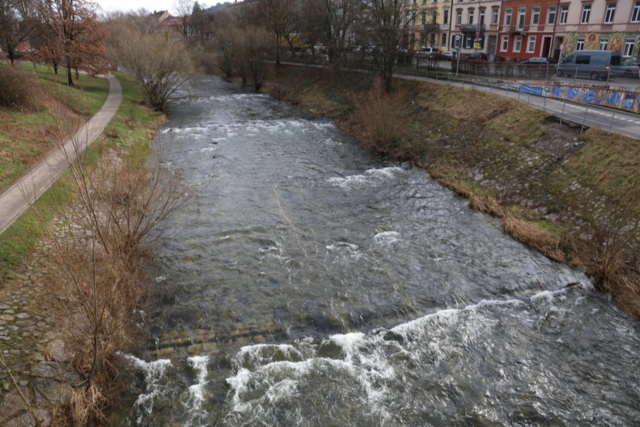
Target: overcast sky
127 5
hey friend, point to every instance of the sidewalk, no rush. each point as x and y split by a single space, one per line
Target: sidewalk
17 198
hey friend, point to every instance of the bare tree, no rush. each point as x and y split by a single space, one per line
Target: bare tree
385 23
253 54
18 22
339 25
279 17
160 65
312 17
73 35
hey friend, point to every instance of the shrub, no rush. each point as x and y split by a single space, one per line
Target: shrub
17 88
383 117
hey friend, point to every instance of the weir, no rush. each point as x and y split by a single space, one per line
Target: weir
313 282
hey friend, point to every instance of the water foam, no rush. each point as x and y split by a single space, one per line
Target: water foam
371 176
153 374
387 238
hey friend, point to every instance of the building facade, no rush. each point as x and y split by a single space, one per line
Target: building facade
527 28
430 23
599 25
475 26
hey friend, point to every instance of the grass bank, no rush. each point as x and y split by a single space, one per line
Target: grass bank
570 195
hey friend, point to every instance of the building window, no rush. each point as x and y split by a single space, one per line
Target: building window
468 42
535 18
455 42
517 44
459 18
586 11
445 16
505 43
507 17
521 14
481 17
564 11
494 17
471 17
433 40
635 15
628 48
414 1
413 19
434 17
424 1
531 46
443 41
608 15
604 42
580 43
424 18
422 39
551 15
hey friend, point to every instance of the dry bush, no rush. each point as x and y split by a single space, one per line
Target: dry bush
383 117
18 88
253 52
160 65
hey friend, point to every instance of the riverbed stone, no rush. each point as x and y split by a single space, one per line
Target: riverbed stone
57 371
23 315
58 351
12 404
27 420
50 392
7 317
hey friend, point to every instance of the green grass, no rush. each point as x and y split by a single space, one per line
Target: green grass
134 127
27 136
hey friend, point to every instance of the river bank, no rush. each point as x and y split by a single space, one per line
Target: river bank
46 364
565 193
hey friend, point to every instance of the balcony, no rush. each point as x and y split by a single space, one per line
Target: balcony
471 28
430 28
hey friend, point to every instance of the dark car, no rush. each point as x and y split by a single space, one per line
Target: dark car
478 56
540 61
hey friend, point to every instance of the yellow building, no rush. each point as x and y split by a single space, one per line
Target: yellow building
430 23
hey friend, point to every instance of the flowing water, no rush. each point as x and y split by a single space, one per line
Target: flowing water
312 282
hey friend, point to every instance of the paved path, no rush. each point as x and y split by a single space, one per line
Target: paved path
15 200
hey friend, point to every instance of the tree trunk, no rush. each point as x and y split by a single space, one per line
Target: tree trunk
69 77
77 74
11 56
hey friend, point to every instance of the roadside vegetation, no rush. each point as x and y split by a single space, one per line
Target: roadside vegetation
572 196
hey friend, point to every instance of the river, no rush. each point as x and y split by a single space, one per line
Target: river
312 282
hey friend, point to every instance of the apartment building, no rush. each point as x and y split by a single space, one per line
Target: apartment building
527 28
430 23
599 25
475 26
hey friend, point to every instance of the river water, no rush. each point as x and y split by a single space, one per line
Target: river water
312 282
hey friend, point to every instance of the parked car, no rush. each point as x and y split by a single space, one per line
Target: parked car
427 51
320 47
628 69
539 61
449 55
477 55
596 64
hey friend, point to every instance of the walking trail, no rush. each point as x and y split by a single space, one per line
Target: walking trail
23 193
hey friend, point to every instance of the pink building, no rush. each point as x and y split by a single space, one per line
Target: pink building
599 25
474 26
